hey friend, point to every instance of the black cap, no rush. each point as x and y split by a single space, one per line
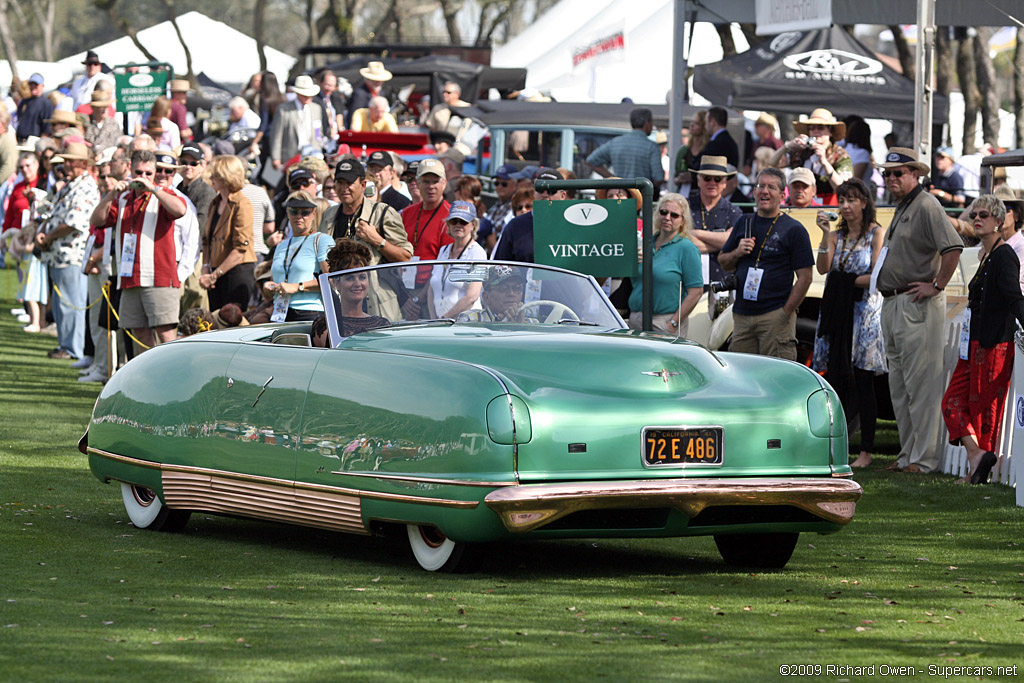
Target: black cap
349 170
410 169
379 158
437 136
299 176
297 202
548 174
193 150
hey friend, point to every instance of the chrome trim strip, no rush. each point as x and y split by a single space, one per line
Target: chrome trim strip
297 485
425 480
532 506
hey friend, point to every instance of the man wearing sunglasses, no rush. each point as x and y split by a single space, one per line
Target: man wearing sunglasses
713 215
156 241
766 250
920 254
500 213
201 194
516 243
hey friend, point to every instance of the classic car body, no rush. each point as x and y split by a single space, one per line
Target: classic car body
555 423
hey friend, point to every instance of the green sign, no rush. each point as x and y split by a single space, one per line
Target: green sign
596 237
138 91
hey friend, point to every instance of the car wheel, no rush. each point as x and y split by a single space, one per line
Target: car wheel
771 551
433 550
147 511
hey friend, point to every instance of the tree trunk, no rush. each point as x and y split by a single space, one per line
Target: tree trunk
10 50
172 16
969 88
725 35
258 15
450 8
110 7
987 85
904 52
1018 88
44 17
492 15
943 67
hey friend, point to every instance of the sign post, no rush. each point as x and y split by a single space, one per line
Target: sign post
580 226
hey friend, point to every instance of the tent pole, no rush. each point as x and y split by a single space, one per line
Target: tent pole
924 83
679 87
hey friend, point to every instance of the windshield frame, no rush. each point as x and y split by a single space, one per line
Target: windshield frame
332 315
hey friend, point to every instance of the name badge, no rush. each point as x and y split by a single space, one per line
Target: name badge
873 285
280 308
409 275
753 284
965 335
128 244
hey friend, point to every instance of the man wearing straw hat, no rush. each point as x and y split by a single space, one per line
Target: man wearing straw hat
921 252
61 244
180 88
714 216
374 77
297 123
102 131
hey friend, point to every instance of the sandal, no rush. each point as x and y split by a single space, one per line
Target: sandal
984 468
912 469
895 467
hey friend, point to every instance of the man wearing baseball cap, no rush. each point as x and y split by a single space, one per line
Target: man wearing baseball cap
516 243
34 110
494 221
156 241
802 188
374 224
502 298
424 223
192 161
381 165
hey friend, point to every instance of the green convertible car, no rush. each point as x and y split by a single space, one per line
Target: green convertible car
500 401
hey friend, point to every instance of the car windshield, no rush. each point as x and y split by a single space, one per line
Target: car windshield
452 292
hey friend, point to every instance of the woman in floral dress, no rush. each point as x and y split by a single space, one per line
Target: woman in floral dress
848 346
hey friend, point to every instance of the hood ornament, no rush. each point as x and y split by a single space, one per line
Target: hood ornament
663 374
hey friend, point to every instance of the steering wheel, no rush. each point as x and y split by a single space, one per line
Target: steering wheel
558 310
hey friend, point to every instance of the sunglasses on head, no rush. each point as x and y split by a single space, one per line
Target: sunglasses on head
979 214
895 173
712 178
666 212
299 212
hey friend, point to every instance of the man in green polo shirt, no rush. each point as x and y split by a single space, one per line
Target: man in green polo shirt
921 253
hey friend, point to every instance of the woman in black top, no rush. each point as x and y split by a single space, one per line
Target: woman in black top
973 404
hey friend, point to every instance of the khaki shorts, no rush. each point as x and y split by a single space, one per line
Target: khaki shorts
769 334
145 307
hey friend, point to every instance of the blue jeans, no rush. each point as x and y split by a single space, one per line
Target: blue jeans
69 307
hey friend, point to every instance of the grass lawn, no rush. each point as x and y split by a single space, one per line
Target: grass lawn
928 574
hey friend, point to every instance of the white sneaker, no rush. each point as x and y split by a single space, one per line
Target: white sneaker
88 371
22 318
18 311
83 362
95 376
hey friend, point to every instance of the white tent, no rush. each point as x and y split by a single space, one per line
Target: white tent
604 50
54 73
222 53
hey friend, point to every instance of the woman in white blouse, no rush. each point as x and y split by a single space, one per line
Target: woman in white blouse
451 298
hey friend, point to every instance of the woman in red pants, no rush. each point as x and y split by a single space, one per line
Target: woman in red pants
973 404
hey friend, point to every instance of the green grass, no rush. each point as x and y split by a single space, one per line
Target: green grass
928 574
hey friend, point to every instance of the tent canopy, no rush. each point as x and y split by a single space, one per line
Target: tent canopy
800 71
221 52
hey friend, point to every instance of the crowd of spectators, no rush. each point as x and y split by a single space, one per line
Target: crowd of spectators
132 240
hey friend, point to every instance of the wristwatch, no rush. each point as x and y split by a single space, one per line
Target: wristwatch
673 323
935 284
302 286
380 246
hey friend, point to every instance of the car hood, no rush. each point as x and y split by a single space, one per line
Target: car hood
607 362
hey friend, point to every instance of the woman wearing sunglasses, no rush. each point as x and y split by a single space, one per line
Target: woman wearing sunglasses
297 262
451 298
676 268
848 345
973 404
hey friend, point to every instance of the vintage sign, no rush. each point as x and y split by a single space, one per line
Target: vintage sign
596 237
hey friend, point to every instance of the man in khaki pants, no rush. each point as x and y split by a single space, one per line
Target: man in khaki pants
921 252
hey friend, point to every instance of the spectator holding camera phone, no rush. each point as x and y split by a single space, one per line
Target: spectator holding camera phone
848 345
815 148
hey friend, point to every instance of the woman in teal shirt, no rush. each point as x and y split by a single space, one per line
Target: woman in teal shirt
676 268
297 262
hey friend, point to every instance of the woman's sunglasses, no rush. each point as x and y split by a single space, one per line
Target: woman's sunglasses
666 212
979 214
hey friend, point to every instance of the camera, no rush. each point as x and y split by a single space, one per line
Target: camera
724 285
370 190
831 215
136 185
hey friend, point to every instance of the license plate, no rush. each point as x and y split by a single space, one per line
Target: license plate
689 446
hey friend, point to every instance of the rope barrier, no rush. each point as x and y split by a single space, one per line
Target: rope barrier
110 308
74 308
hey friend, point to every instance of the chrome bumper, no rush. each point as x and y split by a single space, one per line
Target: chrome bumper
528 507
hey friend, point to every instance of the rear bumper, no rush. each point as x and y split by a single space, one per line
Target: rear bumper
532 506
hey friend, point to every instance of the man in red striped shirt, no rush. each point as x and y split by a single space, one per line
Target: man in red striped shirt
143 212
